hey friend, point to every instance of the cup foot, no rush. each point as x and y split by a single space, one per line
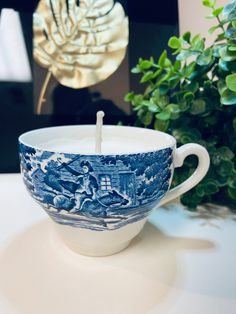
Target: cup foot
98 243
101 251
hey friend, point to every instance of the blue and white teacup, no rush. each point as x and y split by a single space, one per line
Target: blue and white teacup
101 201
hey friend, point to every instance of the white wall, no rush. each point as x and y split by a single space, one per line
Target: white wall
14 62
192 17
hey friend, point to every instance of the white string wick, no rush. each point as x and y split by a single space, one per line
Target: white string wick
98 135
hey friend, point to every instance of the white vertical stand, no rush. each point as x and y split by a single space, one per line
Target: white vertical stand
14 63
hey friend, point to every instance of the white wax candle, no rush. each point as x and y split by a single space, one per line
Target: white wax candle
98 135
110 146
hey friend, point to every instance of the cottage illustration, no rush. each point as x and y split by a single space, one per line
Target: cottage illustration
106 187
116 177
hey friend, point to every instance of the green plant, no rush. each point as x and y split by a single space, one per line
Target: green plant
194 98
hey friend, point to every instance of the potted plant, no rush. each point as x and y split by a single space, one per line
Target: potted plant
193 97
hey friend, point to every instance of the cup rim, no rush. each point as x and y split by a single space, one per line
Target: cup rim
171 140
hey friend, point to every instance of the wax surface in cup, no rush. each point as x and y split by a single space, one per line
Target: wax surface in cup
111 146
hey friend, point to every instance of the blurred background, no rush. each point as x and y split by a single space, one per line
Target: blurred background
150 26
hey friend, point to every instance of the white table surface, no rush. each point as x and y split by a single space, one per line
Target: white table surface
181 263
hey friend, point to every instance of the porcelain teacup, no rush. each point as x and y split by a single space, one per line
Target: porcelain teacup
100 202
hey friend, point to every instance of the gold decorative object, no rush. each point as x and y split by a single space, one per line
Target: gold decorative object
80 42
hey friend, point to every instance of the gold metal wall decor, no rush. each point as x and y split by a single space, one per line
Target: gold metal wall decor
80 42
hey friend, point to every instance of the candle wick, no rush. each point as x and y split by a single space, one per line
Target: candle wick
98 135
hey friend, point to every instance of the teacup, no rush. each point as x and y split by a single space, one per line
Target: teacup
100 202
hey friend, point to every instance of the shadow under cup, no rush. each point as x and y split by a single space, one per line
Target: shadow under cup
99 202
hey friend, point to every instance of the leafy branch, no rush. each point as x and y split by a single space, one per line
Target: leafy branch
192 95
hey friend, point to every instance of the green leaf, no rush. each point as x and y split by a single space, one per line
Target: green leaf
193 86
137 101
216 50
149 89
221 154
147 118
210 187
177 65
225 153
208 3
225 168
167 63
222 181
147 76
161 125
231 82
137 108
232 48
212 29
228 97
223 65
151 59
136 70
164 87
186 138
187 37
232 16
217 11
232 193
145 103
129 97
164 115
229 66
200 190
227 55
173 108
207 84
156 95
152 106
231 34
221 87
220 37
174 81
145 64
232 182
189 96
191 200
216 159
198 106
229 7
174 42
185 54
205 58
141 113
210 17
198 43
163 101
161 61
188 69
186 135
158 72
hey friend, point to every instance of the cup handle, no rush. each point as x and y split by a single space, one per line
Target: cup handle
203 165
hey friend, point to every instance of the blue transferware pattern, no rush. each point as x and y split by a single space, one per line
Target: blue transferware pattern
96 192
